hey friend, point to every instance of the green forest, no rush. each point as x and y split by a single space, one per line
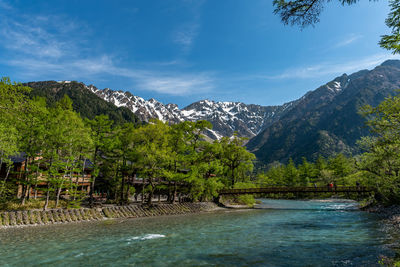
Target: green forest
58 146
58 142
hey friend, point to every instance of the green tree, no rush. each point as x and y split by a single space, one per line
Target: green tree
13 101
237 161
67 142
276 173
249 199
119 159
100 133
341 168
321 166
206 172
307 172
32 137
291 174
182 155
307 12
382 157
153 153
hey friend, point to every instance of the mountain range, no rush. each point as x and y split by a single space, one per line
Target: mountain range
323 122
327 121
226 117
83 100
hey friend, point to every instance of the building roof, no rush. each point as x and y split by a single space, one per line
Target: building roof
19 158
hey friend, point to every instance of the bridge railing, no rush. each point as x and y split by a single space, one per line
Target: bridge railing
296 189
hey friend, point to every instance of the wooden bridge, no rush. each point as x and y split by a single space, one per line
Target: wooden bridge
297 189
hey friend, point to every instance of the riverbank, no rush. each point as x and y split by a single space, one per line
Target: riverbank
390 217
294 233
390 214
58 216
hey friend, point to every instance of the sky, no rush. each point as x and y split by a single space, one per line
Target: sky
182 51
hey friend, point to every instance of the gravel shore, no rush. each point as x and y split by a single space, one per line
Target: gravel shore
390 214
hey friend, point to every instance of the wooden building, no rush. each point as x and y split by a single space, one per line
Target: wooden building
16 172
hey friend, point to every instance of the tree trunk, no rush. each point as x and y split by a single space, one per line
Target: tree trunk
122 197
62 183
36 179
127 195
83 176
149 201
92 184
1 161
5 180
116 186
169 198
8 172
142 190
24 187
58 196
28 192
71 191
175 193
59 193
22 194
233 176
46 204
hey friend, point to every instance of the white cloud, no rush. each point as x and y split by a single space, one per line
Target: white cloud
349 40
5 5
331 68
176 84
185 35
172 83
32 36
46 47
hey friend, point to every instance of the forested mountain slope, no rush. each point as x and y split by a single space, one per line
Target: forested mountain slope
327 120
85 102
323 122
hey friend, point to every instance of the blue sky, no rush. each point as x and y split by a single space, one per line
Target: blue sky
181 51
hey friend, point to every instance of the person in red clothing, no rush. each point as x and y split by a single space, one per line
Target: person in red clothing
330 186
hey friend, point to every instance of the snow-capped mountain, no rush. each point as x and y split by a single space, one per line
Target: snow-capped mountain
226 117
248 120
230 117
325 121
144 109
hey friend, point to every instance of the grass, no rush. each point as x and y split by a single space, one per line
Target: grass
30 205
248 200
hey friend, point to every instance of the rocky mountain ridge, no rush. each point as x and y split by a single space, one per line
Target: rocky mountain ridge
324 121
248 120
327 121
226 117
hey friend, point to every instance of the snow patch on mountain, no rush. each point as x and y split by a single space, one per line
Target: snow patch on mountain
226 117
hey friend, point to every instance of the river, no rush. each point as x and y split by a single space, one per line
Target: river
280 233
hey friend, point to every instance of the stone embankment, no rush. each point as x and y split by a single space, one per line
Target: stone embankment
390 214
39 217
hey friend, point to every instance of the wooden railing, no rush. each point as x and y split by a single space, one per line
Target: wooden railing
76 178
297 189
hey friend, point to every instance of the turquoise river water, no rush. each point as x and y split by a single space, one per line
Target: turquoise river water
280 233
